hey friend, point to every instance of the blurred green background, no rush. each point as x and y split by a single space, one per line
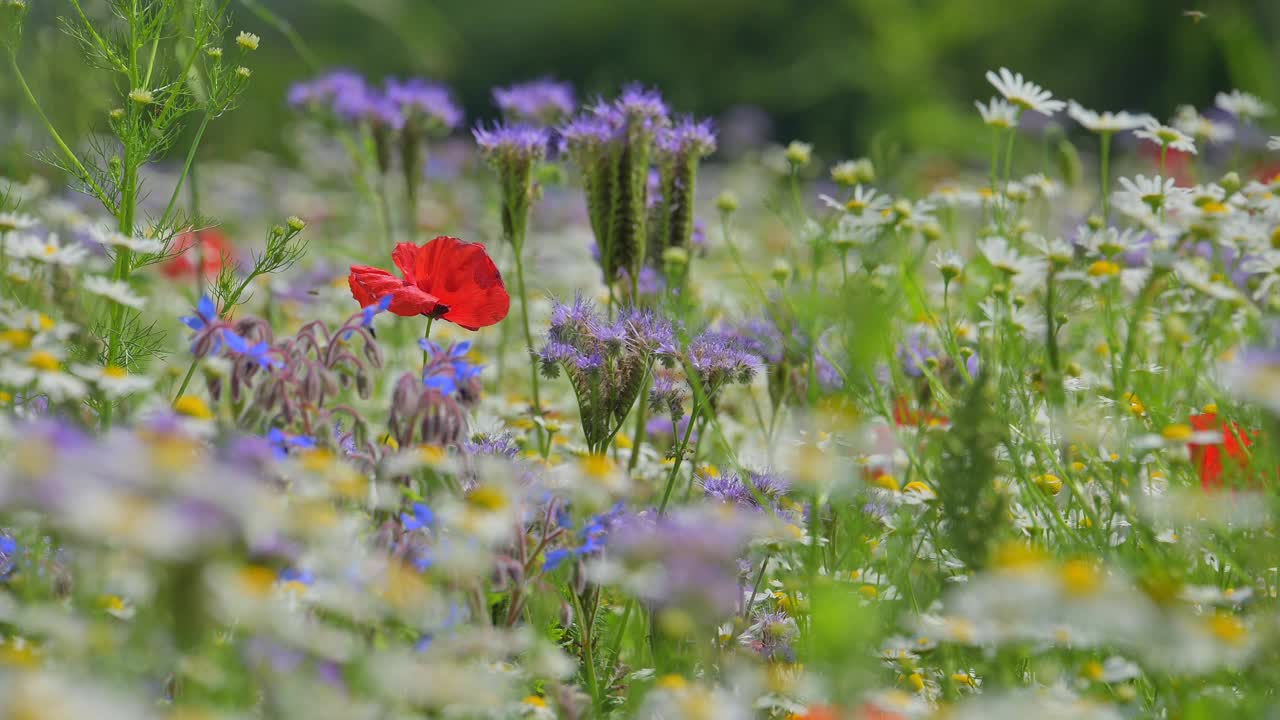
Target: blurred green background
839 73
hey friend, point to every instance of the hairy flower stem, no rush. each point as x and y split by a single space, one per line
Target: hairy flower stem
426 335
588 659
679 456
528 334
641 415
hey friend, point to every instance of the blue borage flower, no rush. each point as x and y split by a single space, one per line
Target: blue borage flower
593 538
259 352
206 314
448 370
281 442
292 575
420 517
9 549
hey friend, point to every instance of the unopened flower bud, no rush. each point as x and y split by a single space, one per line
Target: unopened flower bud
296 223
799 153
675 256
727 202
781 271
1096 223
243 72
214 52
141 96
116 114
1231 182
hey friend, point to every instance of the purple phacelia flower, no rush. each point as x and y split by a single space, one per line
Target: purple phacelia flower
425 106
731 488
511 141
687 138
323 92
544 101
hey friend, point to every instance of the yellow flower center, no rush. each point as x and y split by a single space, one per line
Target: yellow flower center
43 360
487 497
192 406
886 481
1104 268
16 338
597 467
1178 432
1092 670
115 372
256 579
1080 578
917 681
1051 484
672 682
534 701
1228 628
1018 556
869 592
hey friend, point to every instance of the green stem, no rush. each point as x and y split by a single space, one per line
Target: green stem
588 659
675 464
528 334
85 177
426 335
186 169
1105 171
640 431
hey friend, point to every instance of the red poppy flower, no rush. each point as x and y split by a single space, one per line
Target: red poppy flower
213 246
1208 458
446 278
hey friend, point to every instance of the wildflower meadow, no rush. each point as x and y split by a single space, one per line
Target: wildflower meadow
557 412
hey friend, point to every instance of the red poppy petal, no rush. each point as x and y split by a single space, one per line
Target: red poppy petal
405 256
369 285
465 279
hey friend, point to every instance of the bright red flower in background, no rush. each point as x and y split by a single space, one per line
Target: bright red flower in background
213 245
1208 458
447 278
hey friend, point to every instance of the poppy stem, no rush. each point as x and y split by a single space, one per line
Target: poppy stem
426 355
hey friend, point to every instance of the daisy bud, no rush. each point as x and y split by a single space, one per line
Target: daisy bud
243 72
248 41
116 114
1231 183
781 271
799 154
214 52
727 202
1096 223
296 223
141 96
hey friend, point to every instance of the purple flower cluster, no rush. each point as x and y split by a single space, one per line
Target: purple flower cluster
605 361
686 138
786 356
611 143
544 101
731 488
697 550
414 105
721 358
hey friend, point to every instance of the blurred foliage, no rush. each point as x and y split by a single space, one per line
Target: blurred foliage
830 72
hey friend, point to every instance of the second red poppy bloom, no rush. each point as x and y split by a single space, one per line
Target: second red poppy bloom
446 278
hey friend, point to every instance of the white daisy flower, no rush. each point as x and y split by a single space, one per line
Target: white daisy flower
115 290
1273 143
1106 122
998 113
1001 255
1057 251
1110 241
1023 93
115 382
1169 137
1153 192
49 250
116 239
10 222
43 369
1242 105
1042 185
949 263
1191 122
